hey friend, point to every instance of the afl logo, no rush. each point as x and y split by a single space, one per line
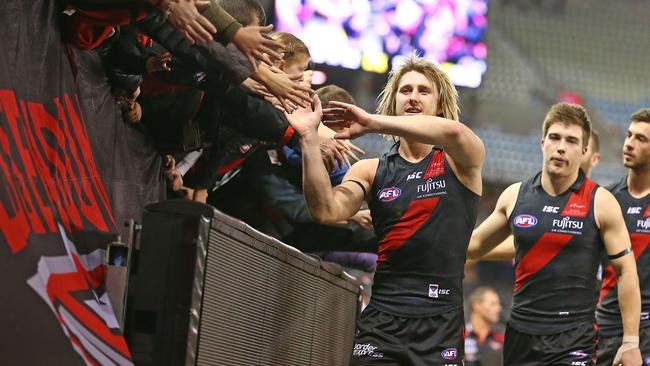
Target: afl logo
449 353
389 194
525 221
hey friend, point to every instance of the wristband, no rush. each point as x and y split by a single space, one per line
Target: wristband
628 343
632 340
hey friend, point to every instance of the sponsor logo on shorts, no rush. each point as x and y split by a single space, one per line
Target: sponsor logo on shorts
436 291
449 354
366 349
645 315
578 354
389 194
525 221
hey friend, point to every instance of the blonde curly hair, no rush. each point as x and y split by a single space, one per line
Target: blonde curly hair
447 94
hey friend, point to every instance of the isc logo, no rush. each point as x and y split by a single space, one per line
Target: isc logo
435 291
633 210
551 209
414 176
389 194
525 221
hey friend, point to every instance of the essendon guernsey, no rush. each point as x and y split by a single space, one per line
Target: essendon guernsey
423 217
558 248
636 212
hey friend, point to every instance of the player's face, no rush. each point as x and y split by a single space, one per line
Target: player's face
636 149
490 307
416 95
562 149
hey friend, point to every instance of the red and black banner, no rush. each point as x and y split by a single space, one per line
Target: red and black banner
60 155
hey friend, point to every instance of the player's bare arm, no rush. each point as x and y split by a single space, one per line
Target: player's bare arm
609 219
495 229
327 204
465 149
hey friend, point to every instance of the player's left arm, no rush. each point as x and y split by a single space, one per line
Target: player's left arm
609 219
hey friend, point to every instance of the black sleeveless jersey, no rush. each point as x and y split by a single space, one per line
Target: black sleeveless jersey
558 248
423 218
637 219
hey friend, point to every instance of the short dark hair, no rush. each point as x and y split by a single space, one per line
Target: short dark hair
642 115
334 93
570 114
243 10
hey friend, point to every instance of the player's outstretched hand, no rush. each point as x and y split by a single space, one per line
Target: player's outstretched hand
343 115
304 120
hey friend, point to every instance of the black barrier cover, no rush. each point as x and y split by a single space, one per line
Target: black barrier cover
233 296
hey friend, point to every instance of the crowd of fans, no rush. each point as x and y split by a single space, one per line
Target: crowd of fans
211 85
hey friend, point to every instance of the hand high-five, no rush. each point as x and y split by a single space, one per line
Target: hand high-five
184 15
304 120
286 88
254 46
342 115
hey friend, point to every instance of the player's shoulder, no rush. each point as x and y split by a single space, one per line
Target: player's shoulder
604 199
363 170
508 198
512 191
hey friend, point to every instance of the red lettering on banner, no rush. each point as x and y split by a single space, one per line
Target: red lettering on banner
31 173
57 185
81 136
47 172
13 223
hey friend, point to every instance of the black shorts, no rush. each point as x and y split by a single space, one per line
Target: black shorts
607 347
385 339
575 347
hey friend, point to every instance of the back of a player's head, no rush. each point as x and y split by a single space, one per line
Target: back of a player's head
569 114
642 115
447 94
245 12
334 93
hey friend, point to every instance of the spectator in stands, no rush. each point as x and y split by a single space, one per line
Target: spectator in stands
275 175
90 26
295 59
483 343
592 157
